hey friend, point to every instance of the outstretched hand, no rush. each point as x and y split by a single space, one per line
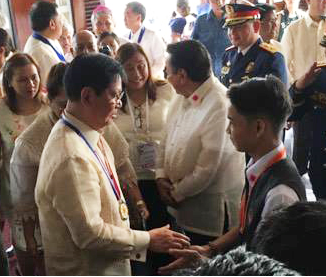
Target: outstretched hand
185 258
162 239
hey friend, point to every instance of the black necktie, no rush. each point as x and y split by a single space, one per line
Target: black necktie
239 56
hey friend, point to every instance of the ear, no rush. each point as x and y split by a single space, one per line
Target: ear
139 18
2 50
52 24
2 56
87 95
260 127
183 76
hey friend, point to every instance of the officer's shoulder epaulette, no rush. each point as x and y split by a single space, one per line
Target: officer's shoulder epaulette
268 47
230 48
321 64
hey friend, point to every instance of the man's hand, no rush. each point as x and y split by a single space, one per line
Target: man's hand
185 258
162 239
164 187
308 77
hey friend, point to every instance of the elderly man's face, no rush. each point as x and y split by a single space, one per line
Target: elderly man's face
104 23
317 7
268 26
131 19
106 105
85 43
242 35
216 5
65 40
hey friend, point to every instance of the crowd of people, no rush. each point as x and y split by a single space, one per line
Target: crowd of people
122 155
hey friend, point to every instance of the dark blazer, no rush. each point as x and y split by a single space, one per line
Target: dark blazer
312 101
262 59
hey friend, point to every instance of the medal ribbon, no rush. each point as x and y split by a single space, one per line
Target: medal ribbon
110 177
247 190
46 41
141 34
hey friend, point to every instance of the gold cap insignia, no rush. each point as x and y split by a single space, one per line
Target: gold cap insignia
229 10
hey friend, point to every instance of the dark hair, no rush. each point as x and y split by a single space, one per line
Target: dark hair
296 236
6 42
90 70
41 13
267 97
191 56
264 9
16 60
108 34
239 262
138 8
126 52
54 82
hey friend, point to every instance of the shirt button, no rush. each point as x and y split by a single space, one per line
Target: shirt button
324 165
137 256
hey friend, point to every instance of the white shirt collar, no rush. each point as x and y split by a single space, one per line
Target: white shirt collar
91 135
309 20
255 169
244 52
196 98
136 35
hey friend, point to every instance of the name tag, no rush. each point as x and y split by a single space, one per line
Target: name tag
147 155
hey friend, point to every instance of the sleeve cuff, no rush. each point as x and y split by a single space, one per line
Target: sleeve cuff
142 240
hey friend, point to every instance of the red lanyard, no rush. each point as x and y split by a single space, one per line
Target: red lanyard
107 164
247 193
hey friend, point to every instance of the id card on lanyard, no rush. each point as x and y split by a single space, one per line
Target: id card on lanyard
145 146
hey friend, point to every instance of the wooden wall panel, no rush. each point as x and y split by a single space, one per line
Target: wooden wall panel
78 10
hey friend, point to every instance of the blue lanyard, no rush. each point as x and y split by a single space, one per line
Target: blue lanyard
140 37
46 41
78 132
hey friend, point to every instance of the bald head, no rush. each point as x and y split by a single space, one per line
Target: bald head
84 42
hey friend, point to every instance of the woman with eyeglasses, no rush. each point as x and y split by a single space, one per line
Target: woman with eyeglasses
21 104
141 120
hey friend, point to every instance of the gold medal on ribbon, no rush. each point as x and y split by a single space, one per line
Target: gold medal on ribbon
123 210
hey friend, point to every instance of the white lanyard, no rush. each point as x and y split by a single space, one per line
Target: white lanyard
133 116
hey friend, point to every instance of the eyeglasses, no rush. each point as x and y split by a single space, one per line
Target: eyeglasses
119 97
